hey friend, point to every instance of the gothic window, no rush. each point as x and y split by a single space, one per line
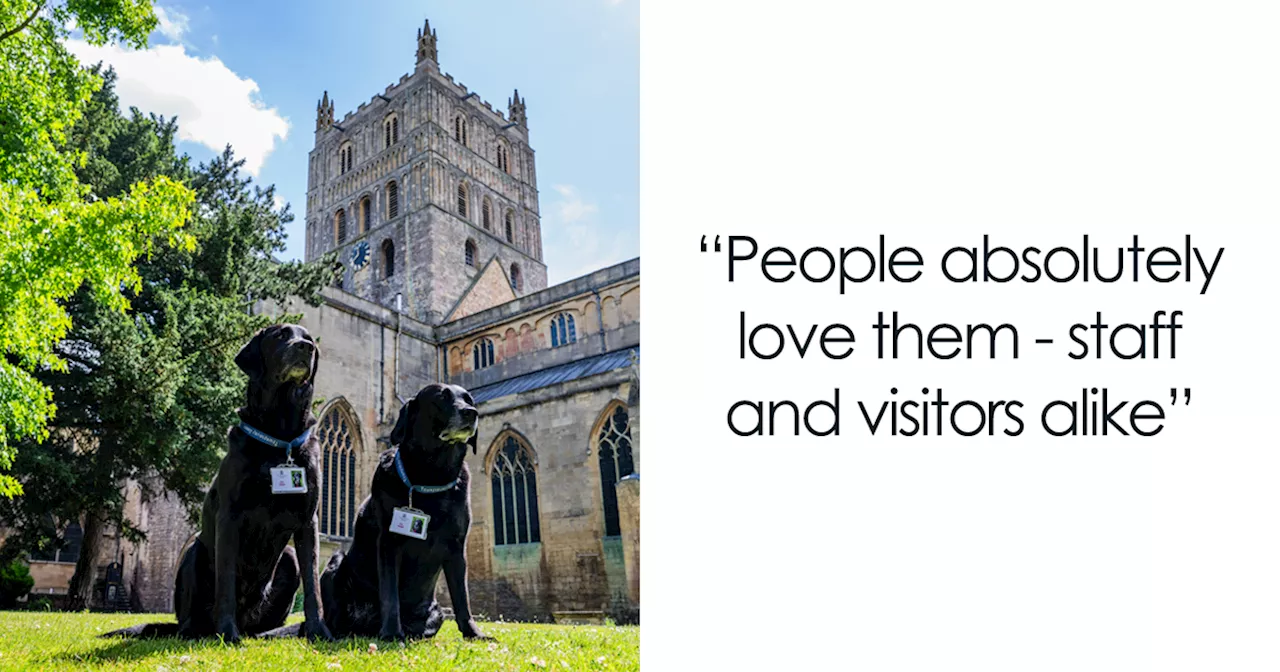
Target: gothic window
614 445
482 354
366 215
514 484
462 200
562 330
460 129
503 159
517 283
509 222
393 200
339 443
72 537
340 226
390 131
388 258
486 210
470 253
346 158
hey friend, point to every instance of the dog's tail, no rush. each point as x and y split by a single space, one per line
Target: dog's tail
145 631
294 630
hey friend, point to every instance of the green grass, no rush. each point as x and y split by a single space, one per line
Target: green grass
54 641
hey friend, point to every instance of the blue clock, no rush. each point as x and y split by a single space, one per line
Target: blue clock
360 255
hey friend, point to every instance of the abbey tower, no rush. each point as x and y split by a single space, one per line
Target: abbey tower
420 188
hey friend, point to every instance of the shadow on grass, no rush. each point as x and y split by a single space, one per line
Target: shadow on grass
121 649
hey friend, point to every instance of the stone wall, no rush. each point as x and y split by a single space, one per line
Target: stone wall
520 329
569 568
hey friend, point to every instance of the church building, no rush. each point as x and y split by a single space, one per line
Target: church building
428 196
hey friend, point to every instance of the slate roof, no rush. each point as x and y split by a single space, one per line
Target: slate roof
560 373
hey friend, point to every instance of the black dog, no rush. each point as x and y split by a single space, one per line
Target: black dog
239 575
385 584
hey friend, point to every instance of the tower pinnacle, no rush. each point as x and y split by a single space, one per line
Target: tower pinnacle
427 44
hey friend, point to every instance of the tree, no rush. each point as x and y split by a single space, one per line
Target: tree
149 392
54 238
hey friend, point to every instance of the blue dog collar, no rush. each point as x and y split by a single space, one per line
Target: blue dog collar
423 489
263 437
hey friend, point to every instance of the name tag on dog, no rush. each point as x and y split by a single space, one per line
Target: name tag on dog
288 480
409 522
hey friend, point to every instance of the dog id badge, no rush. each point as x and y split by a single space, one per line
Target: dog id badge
288 479
409 522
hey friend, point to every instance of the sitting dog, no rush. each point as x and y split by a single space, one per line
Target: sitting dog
385 584
239 576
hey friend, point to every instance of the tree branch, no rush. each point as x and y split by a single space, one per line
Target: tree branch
22 26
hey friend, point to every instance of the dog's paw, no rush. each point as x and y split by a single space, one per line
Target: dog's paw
390 636
472 631
230 634
318 631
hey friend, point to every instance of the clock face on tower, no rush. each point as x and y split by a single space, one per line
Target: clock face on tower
360 255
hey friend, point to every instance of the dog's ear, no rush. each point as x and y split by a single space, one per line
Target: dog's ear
472 442
408 413
315 360
250 358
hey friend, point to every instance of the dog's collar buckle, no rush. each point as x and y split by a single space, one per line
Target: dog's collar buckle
263 437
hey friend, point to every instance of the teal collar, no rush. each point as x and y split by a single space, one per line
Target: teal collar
263 437
423 489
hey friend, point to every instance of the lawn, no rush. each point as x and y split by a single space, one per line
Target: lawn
52 641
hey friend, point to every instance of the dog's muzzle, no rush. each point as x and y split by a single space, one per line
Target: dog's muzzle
462 426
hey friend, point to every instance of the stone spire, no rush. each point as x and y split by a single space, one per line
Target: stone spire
515 110
324 113
427 44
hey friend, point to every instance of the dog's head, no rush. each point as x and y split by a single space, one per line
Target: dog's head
280 354
439 413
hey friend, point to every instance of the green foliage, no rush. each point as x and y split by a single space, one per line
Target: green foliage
69 640
55 237
15 582
149 391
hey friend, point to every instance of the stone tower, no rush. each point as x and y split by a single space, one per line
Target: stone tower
423 187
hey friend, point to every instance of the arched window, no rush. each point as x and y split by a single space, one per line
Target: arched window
388 258
340 226
460 129
469 253
517 283
509 222
72 538
515 494
346 158
503 159
338 272
339 444
562 330
462 200
366 215
482 354
614 444
390 131
393 200
486 210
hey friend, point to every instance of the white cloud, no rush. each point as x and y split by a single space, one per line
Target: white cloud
576 243
572 209
214 105
173 23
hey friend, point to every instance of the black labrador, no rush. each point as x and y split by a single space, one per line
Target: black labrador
240 576
385 584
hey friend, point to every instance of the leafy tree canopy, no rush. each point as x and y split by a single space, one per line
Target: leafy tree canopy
147 392
56 237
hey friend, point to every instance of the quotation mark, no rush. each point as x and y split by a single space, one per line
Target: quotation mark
1186 394
704 244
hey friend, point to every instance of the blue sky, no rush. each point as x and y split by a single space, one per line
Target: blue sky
250 73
